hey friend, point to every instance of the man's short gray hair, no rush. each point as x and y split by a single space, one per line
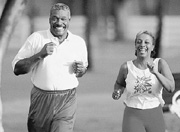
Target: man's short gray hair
61 6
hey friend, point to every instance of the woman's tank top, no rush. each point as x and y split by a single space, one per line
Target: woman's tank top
143 90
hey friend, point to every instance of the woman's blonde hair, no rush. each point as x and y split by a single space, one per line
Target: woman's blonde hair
153 39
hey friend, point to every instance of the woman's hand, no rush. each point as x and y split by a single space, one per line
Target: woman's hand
116 94
152 68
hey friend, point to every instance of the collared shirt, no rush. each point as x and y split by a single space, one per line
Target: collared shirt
143 89
54 72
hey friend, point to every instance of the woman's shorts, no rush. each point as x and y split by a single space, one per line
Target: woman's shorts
148 120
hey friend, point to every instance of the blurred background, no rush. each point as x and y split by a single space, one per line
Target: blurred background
109 28
112 20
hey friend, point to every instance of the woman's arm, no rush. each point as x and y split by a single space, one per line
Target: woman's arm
120 83
165 76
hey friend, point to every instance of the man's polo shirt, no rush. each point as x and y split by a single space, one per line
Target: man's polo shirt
54 72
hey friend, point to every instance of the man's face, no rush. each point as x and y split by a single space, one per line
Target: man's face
59 22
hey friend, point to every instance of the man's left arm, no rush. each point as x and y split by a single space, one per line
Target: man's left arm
79 68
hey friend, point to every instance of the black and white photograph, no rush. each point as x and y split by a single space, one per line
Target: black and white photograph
89 65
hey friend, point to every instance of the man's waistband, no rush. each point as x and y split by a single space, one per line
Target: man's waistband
55 91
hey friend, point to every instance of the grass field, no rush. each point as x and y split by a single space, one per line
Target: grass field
97 111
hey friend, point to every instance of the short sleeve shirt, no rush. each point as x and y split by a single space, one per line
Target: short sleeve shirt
54 72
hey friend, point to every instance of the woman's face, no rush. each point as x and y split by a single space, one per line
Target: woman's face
144 45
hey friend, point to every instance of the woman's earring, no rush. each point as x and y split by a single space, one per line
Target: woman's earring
153 53
135 52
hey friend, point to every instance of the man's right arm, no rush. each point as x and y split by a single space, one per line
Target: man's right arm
24 66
